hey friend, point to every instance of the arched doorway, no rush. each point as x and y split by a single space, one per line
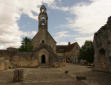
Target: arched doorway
43 59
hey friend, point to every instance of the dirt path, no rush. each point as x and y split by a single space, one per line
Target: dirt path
52 76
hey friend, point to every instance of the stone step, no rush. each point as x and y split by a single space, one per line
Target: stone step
44 66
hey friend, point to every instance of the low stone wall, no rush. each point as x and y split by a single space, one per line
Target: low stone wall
24 59
16 59
4 64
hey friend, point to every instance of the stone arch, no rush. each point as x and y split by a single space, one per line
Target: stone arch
43 56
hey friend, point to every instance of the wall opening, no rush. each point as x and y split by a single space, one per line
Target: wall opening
43 41
68 59
43 59
102 51
102 59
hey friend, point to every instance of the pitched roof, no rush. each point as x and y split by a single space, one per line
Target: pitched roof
65 48
38 34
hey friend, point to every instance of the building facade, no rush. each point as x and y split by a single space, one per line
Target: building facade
43 43
68 52
102 47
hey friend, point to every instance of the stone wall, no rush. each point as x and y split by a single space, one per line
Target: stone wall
4 64
12 58
4 60
24 59
102 46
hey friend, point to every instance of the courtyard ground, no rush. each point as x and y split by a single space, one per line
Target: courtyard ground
57 76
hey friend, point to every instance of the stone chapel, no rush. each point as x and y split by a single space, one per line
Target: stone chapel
43 43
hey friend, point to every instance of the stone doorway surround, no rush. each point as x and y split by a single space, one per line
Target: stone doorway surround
43 57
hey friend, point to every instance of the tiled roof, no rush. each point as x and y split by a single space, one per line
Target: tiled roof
64 48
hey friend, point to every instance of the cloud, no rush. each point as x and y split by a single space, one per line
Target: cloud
55 6
9 30
60 35
62 43
88 17
91 16
10 12
81 40
28 34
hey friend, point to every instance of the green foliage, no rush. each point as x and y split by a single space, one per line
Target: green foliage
87 52
26 45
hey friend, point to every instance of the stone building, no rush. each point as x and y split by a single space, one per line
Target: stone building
43 43
70 52
102 46
45 51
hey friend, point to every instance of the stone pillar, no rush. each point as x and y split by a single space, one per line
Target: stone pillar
18 75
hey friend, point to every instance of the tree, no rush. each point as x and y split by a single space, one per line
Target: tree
87 52
26 45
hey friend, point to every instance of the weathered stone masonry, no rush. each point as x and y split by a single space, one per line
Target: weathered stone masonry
102 45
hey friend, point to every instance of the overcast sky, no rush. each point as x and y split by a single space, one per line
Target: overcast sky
68 20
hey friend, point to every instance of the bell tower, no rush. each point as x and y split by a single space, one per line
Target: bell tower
43 19
43 37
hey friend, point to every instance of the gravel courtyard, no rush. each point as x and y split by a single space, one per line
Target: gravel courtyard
57 76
